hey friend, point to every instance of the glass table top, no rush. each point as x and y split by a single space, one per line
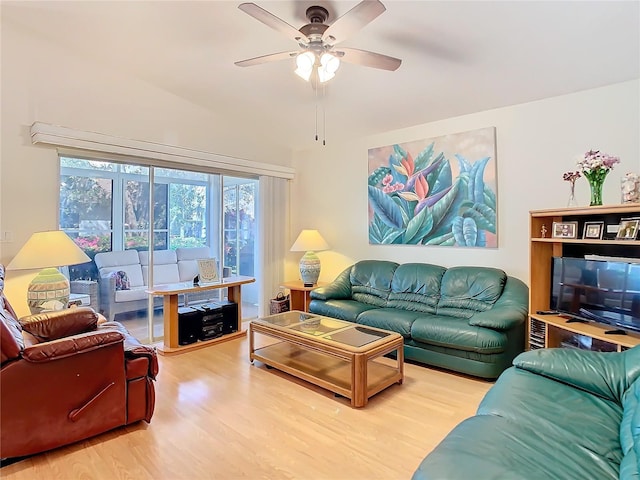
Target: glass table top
332 329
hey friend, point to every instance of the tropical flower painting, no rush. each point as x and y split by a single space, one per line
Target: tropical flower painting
438 191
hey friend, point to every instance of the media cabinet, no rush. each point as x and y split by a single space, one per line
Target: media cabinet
548 331
171 293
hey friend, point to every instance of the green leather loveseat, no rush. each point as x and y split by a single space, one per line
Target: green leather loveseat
467 319
561 414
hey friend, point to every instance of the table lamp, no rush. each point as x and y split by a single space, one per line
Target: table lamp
309 241
48 250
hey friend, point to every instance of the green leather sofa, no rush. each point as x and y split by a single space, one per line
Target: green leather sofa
467 319
560 414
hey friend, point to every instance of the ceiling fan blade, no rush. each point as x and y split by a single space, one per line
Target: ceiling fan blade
270 20
368 59
352 21
274 57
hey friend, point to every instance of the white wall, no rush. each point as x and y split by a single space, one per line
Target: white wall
41 82
536 143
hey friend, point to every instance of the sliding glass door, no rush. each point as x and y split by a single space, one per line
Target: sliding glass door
109 207
240 231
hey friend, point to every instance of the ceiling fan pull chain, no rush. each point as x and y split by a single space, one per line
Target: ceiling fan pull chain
324 120
316 92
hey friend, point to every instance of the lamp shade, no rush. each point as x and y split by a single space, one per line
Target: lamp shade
305 63
309 240
49 290
48 249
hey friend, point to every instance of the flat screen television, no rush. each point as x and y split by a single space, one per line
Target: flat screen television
604 291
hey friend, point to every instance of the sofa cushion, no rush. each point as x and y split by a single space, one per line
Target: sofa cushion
48 326
587 424
160 257
490 446
630 432
530 426
135 293
165 268
115 259
456 333
192 253
187 259
416 287
371 281
341 309
466 290
133 272
162 274
392 319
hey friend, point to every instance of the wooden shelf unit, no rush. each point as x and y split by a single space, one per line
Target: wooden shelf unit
170 294
548 330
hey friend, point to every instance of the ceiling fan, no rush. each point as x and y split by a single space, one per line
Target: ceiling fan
318 55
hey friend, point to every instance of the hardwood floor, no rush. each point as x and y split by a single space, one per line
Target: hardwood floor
219 417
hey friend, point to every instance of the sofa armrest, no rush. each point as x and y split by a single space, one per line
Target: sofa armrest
504 318
69 346
133 348
107 286
340 288
509 311
107 294
49 326
606 374
145 351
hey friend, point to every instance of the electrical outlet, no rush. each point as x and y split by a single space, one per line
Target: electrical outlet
6 237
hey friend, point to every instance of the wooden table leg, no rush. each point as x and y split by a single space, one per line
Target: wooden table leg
251 343
400 359
234 294
170 316
359 381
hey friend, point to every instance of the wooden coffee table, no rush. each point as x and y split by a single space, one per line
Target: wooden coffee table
342 357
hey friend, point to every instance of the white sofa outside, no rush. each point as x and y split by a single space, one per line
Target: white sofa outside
170 266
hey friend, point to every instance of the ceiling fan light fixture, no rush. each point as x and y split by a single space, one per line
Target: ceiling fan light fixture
329 64
305 62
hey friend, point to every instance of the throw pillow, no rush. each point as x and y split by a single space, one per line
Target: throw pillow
122 280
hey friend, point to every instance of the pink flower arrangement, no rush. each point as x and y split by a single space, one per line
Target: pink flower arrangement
571 177
595 166
595 161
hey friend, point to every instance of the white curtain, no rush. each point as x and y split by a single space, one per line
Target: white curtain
273 235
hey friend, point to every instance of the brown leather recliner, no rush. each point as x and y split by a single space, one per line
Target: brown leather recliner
64 377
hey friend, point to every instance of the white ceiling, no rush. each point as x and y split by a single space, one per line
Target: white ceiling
458 57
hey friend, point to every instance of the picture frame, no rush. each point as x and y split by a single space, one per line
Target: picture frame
628 229
564 230
593 230
208 270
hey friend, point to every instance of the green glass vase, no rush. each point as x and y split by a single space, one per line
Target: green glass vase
596 180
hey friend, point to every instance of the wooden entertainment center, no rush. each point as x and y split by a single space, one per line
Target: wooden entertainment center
553 330
171 293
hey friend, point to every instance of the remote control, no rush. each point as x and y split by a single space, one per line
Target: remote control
547 312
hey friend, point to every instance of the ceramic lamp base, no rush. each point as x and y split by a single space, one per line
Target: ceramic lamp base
309 269
49 290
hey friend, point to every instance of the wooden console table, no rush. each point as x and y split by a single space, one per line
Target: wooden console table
170 294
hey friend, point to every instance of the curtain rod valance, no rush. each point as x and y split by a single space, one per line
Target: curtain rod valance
99 142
